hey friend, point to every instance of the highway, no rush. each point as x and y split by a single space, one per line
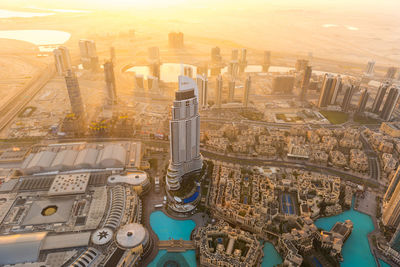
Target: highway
16 104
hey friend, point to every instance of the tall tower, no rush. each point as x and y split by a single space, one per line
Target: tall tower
391 73
202 86
391 205
243 60
88 54
390 104
266 61
370 68
74 94
235 54
347 98
231 90
376 106
392 186
336 89
246 93
305 82
110 82
62 60
362 102
185 134
218 91
324 97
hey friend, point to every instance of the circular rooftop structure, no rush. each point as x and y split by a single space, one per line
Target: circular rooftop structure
102 236
132 235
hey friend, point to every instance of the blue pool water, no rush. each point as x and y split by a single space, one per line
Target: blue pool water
383 264
167 228
271 256
356 250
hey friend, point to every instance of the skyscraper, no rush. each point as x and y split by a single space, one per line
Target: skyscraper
243 60
336 89
110 82
235 54
301 64
62 60
347 98
362 102
88 54
324 97
216 55
379 97
390 104
152 83
305 81
188 71
231 90
391 204
266 61
391 73
74 94
202 86
175 40
370 67
218 91
185 134
233 68
246 93
139 82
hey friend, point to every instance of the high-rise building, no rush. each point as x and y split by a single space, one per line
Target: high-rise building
391 73
155 69
218 91
216 54
231 90
283 84
88 54
62 60
347 98
305 82
395 241
301 64
74 94
243 60
202 86
152 83
324 97
362 102
188 71
370 67
246 93
235 54
233 68
110 82
391 202
184 134
266 61
335 90
175 40
390 103
376 106
139 82
202 69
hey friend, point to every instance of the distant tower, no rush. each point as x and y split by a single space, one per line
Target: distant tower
139 82
243 61
379 97
392 186
231 90
266 61
246 93
336 89
184 134
235 54
324 97
188 71
62 60
216 55
88 53
233 68
305 82
370 68
391 204
110 82
390 104
391 73
152 84
74 94
112 54
301 64
363 101
218 92
347 98
202 85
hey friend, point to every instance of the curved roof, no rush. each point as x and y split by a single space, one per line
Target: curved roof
64 159
113 155
131 235
41 160
86 158
20 248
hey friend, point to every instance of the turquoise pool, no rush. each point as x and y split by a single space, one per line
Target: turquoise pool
167 228
356 250
271 256
383 264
